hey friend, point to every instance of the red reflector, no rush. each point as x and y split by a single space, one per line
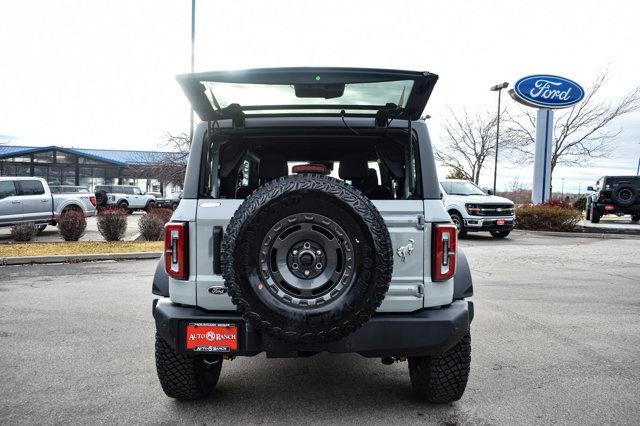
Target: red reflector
609 207
310 168
500 222
176 246
445 249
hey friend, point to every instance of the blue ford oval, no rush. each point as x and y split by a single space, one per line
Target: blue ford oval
548 91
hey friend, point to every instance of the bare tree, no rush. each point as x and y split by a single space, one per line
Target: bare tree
167 167
469 141
581 133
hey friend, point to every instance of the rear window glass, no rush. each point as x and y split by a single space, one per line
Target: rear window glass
255 95
31 187
614 182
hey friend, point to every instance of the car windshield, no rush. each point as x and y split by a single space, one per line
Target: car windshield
462 188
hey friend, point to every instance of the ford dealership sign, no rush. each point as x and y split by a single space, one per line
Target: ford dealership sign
547 91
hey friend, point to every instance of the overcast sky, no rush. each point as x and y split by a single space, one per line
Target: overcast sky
100 74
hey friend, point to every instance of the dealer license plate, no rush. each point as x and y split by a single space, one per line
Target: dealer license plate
212 337
500 222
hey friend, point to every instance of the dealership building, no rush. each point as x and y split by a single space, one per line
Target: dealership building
91 167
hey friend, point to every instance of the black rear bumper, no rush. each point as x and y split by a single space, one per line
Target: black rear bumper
424 332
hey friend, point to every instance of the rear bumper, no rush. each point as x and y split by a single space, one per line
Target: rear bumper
616 209
424 332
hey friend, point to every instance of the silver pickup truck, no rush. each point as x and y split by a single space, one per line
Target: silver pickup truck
28 199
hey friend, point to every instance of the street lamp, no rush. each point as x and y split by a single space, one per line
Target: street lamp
497 88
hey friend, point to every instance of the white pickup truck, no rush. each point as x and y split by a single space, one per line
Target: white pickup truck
472 210
28 199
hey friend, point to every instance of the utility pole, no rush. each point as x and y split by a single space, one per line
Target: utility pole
193 38
497 88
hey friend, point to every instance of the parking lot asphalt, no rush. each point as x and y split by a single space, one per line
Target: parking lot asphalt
555 340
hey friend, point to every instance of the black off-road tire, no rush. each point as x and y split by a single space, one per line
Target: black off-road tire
101 198
443 378
309 196
595 214
459 222
500 234
174 206
635 217
185 377
150 206
587 212
624 195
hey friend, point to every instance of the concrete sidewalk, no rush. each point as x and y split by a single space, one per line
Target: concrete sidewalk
50 234
611 224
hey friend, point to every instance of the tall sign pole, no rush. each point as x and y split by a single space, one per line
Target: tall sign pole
545 92
497 88
193 39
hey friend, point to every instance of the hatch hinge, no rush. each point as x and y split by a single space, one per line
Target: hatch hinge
389 111
420 221
232 111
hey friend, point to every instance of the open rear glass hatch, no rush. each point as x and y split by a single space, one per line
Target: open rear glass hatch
308 91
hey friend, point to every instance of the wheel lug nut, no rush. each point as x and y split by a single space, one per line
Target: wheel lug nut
306 273
295 252
318 265
306 245
294 265
318 252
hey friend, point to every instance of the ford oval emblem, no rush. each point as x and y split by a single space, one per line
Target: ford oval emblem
547 91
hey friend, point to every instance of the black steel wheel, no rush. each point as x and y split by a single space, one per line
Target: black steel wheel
307 258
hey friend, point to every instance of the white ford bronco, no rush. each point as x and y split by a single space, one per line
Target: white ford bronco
310 222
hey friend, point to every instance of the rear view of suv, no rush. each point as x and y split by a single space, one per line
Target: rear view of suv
310 222
617 195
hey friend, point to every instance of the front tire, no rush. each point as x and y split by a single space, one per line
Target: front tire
587 212
443 378
635 217
500 234
459 223
185 377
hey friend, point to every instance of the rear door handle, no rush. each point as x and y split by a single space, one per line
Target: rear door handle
217 240
44 201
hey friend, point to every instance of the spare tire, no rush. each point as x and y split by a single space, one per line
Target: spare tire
624 195
101 198
307 258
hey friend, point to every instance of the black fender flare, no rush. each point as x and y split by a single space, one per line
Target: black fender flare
462 281
160 285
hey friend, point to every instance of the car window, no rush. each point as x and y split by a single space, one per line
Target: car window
7 189
83 190
137 191
31 187
463 188
447 187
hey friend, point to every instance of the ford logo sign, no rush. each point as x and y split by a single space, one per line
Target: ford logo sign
547 91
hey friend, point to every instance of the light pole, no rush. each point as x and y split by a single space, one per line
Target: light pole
193 38
497 88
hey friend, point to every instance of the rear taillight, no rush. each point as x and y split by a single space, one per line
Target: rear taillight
93 200
445 249
604 195
176 246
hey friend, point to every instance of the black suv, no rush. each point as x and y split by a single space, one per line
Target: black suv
614 195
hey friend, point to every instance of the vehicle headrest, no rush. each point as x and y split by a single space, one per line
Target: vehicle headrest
353 167
372 178
273 166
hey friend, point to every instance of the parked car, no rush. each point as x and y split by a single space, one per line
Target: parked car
268 253
474 210
173 200
66 189
29 199
126 197
617 195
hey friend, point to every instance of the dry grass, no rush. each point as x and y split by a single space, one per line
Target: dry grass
78 247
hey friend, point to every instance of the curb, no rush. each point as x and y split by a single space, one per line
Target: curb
72 258
590 234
